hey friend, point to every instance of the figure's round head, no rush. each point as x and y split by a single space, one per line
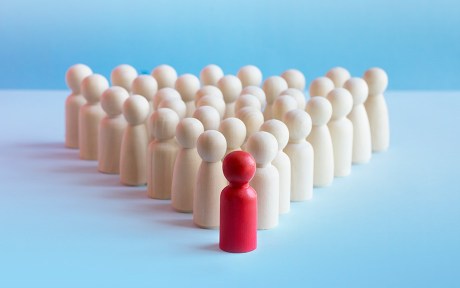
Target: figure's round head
177 105
187 132
294 78
239 167
211 146
187 85
273 87
163 94
283 104
123 75
278 129
258 92
136 109
250 75
112 100
75 75
234 132
208 116
321 86
164 122
320 110
231 87
93 86
211 74
263 147
339 76
208 90
146 86
341 102
298 95
213 101
298 123
247 100
358 89
165 75
377 80
252 119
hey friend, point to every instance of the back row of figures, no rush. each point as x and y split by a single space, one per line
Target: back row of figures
154 129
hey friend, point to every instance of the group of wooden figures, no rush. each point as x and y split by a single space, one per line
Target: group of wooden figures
232 150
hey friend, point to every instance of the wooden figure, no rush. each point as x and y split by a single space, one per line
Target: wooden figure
111 129
211 147
187 85
281 161
341 130
282 105
123 76
231 87
208 116
273 87
321 86
247 100
320 111
250 75
298 95
133 155
252 119
214 102
258 92
339 76
177 105
163 94
362 146
263 147
376 108
208 90
295 79
186 165
210 75
300 153
74 101
90 115
162 153
165 75
234 132
238 205
147 86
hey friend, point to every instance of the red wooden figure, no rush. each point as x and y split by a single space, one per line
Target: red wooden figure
238 204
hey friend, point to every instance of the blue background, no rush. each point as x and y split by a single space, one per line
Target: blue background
416 41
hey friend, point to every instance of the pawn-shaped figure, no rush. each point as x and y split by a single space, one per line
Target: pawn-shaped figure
281 161
252 119
234 132
250 75
298 95
300 153
186 166
208 90
339 76
211 74
321 86
90 115
376 109
164 94
187 85
273 87
295 79
231 87
208 116
111 130
263 147
362 146
214 102
341 130
74 101
247 100
238 205
211 147
162 153
123 76
282 105
133 154
147 86
165 75
177 105
258 92
320 111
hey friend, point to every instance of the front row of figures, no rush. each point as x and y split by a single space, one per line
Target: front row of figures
179 156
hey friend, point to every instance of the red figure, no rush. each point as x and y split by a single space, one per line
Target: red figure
238 205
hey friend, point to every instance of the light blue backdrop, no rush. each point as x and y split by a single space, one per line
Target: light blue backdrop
416 41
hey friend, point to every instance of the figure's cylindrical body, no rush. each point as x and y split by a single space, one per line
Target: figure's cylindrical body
238 219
